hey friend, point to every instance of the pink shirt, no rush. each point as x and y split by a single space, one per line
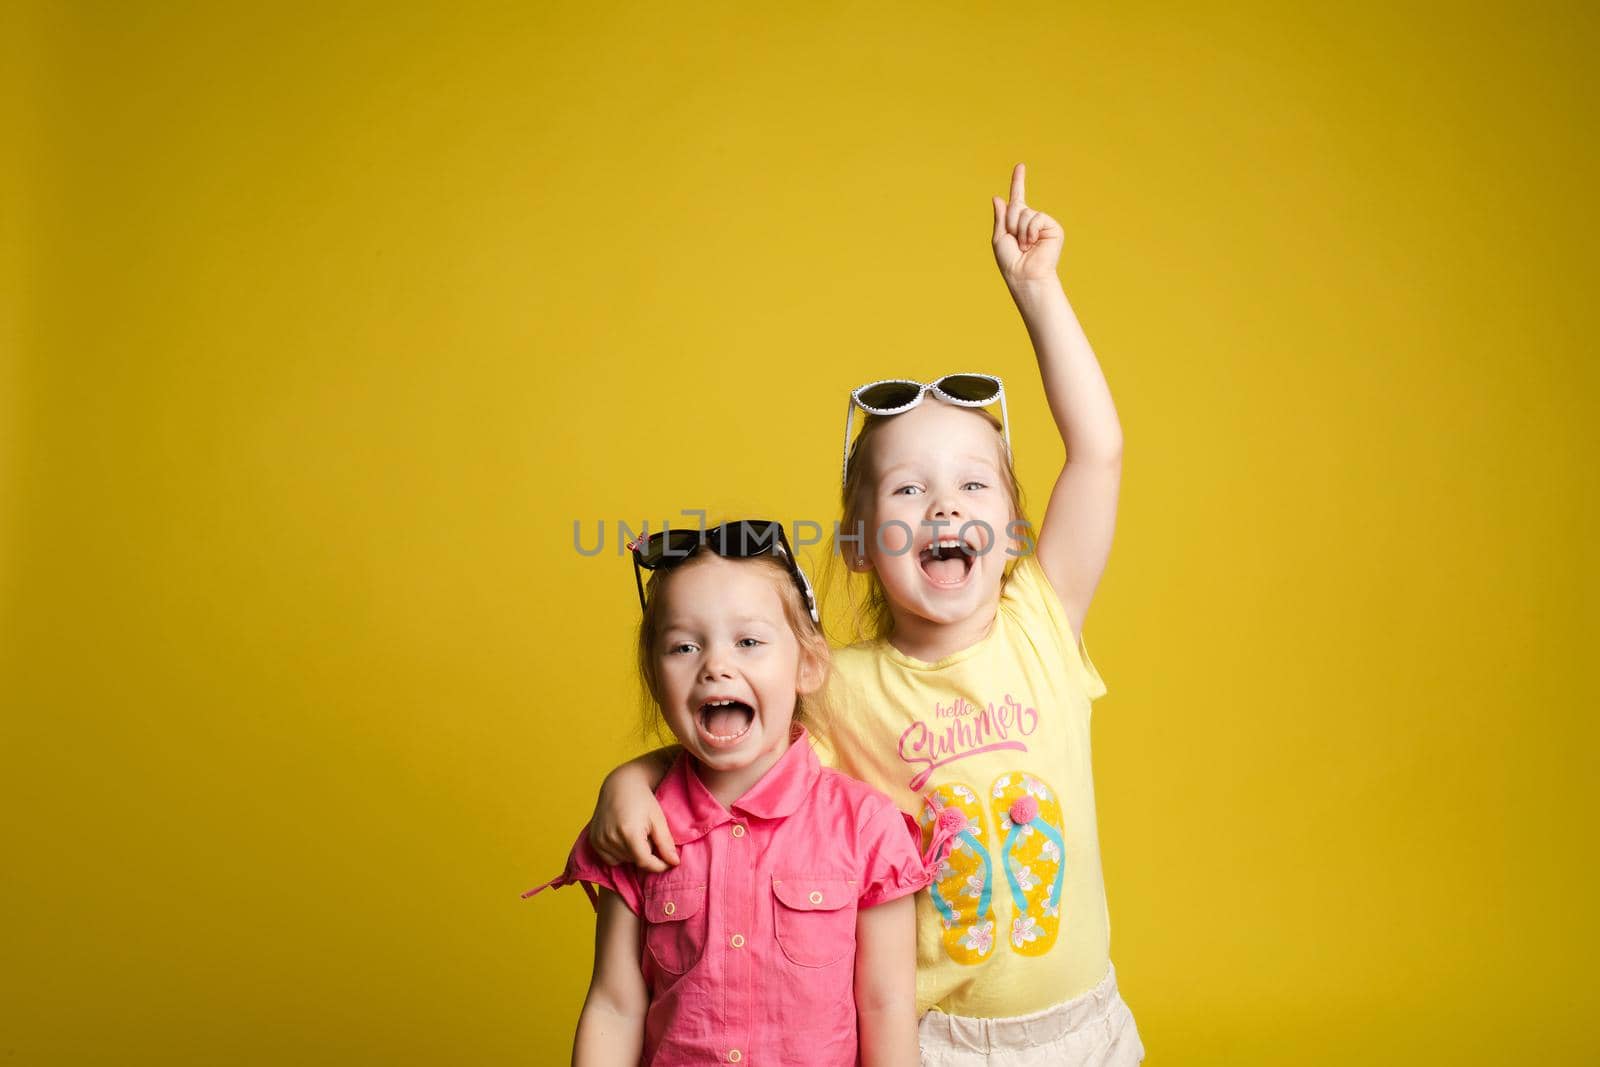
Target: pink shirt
749 943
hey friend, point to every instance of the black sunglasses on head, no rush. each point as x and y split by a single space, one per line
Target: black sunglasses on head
740 539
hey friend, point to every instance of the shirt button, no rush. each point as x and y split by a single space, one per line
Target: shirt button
734 1056
669 907
738 831
815 898
737 940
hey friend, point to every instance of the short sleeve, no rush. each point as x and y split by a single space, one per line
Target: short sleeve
1034 600
891 857
585 868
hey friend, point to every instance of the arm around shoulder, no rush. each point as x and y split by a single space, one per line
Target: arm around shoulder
627 825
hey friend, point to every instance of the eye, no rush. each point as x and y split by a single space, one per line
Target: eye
974 485
750 642
907 490
682 648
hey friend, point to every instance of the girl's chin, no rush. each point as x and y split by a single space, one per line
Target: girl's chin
727 757
726 760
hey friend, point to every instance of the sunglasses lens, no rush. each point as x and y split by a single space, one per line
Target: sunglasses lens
972 388
666 548
747 537
887 396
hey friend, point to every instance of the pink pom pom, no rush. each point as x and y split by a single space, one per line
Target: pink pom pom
952 821
1024 810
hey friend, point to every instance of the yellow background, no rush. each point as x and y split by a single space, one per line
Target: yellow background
323 323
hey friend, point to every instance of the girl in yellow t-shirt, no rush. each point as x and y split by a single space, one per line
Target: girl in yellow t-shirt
967 698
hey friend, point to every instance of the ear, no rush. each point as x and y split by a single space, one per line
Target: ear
813 672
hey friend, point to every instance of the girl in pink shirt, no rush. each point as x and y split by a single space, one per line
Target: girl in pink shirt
787 928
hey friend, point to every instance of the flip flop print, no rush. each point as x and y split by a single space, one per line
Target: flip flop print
964 885
1032 855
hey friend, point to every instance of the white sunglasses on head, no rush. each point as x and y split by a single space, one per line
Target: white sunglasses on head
895 395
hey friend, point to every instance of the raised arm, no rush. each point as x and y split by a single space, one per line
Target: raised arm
627 822
611 1026
1074 540
886 984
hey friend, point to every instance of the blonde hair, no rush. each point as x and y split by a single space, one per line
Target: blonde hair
809 708
867 610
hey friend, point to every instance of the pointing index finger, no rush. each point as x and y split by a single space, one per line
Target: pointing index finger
1017 174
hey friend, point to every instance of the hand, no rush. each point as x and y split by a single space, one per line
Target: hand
628 821
1027 243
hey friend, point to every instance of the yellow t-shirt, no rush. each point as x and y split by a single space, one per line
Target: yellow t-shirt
1016 920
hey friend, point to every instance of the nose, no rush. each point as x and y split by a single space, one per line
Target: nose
715 666
943 507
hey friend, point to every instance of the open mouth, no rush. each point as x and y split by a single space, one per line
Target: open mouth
946 561
725 721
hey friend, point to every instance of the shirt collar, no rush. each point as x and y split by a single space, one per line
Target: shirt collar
692 812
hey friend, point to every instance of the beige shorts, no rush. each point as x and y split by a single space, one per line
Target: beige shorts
1094 1029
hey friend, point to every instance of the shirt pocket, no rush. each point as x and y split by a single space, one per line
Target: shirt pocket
814 918
675 924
